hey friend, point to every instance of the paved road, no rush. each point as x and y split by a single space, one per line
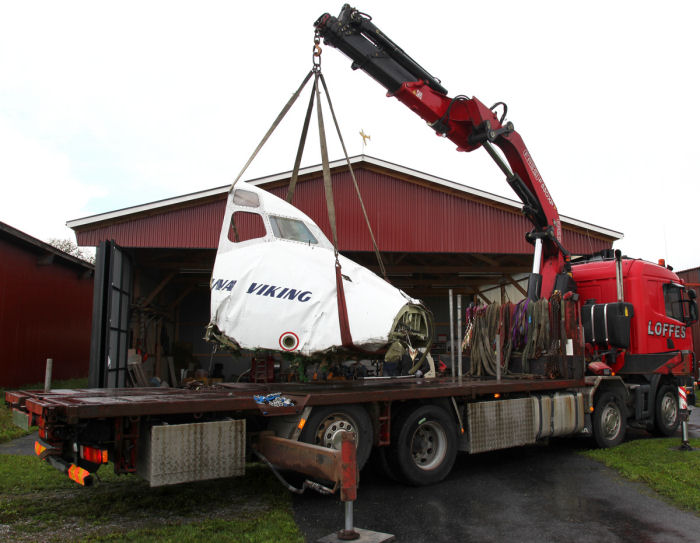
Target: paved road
21 445
527 494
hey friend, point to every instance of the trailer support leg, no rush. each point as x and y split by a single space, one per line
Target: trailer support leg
348 533
348 484
683 414
685 444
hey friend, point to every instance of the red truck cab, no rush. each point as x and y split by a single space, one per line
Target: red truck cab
659 308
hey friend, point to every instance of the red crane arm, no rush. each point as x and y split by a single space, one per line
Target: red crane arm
465 121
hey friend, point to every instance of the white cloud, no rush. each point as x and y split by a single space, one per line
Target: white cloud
39 190
150 100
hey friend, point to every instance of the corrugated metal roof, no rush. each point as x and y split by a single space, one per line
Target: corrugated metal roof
196 226
409 211
18 237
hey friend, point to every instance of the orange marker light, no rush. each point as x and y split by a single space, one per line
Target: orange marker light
38 448
497 395
78 474
301 424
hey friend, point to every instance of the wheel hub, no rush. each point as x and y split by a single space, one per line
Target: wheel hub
668 409
328 434
429 445
612 421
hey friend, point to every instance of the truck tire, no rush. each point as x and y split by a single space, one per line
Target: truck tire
325 424
609 420
423 445
666 412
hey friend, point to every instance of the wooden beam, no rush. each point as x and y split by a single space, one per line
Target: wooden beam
516 285
181 297
441 282
480 295
147 301
486 259
428 268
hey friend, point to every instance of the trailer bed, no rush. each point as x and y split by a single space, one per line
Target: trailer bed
73 405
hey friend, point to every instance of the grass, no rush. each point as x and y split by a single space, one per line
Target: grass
271 527
672 473
37 503
8 431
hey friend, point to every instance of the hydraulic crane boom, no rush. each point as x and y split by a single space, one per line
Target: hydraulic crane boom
465 121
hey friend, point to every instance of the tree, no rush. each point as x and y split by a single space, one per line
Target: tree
67 246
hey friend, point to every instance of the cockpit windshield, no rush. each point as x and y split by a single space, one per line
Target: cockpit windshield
291 229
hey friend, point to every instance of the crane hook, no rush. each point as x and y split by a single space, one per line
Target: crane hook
317 51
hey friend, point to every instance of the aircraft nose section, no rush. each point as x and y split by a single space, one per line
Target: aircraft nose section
278 285
414 325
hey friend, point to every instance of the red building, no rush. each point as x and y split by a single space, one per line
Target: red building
434 235
692 279
45 310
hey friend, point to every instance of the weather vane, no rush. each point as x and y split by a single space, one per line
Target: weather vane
365 137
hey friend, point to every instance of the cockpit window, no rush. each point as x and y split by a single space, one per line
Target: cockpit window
673 301
245 226
291 229
245 198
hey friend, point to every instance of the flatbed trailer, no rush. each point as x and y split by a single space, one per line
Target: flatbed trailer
74 405
415 425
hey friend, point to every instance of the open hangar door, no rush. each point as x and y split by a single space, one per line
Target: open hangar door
153 308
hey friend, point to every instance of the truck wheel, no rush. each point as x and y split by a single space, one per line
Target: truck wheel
381 464
666 411
424 445
609 421
326 423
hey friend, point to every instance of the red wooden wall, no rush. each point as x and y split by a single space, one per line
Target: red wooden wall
45 312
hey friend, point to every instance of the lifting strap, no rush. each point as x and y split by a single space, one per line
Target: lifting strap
345 335
327 184
344 322
272 128
354 180
300 151
302 143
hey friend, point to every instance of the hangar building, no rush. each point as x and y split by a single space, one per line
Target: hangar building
155 260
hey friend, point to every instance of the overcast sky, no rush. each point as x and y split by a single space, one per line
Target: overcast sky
105 105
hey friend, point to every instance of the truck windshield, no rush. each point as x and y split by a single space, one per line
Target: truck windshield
673 299
291 229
